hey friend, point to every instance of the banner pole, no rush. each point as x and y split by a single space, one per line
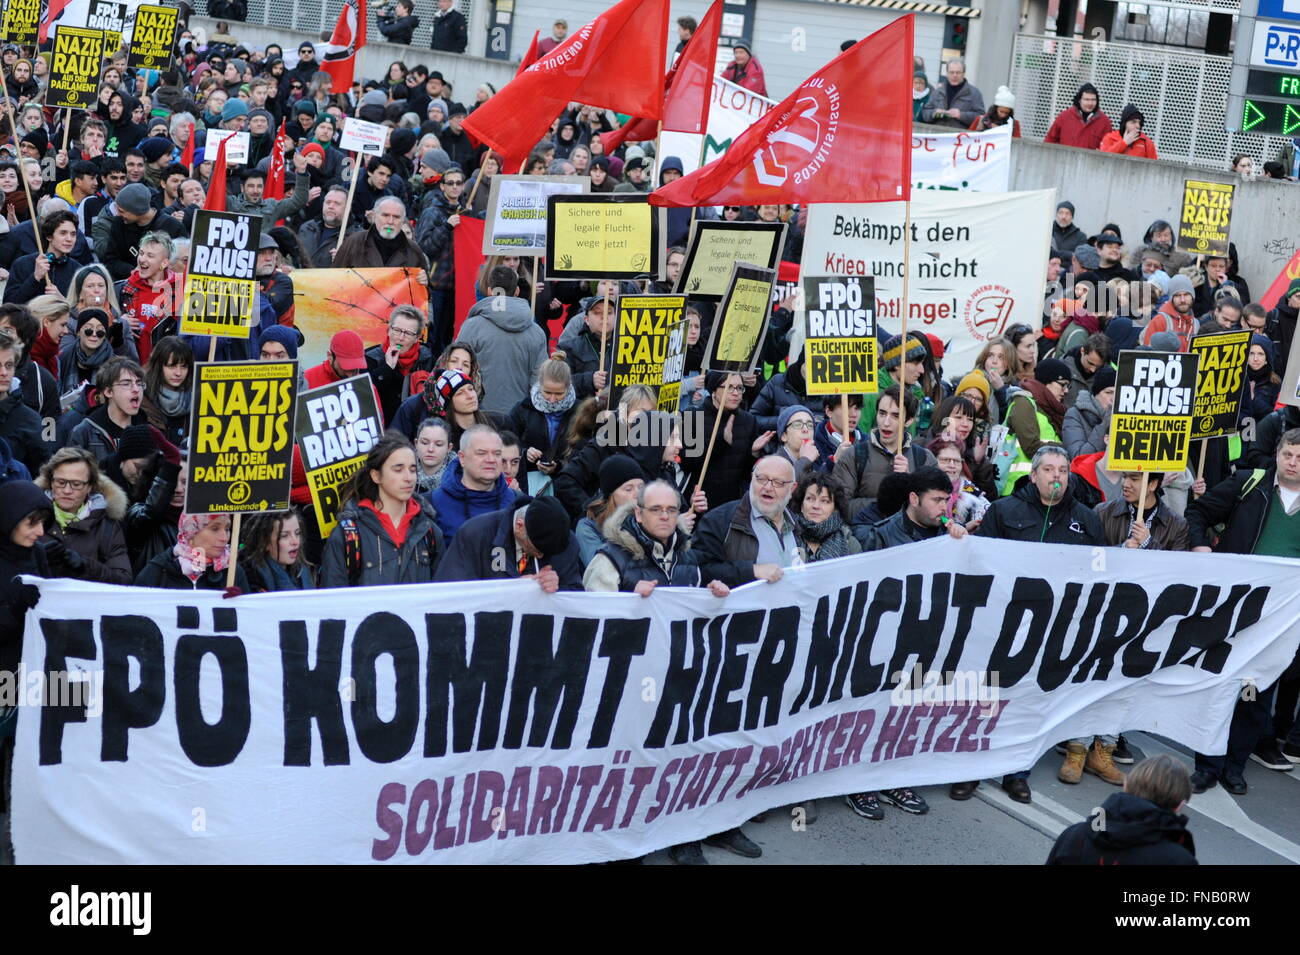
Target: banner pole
234 549
67 127
478 179
27 189
603 333
212 348
1142 497
844 406
352 191
532 292
907 271
708 453
1200 468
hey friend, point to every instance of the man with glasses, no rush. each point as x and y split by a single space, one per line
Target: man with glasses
738 443
306 67
392 363
275 284
120 386
433 233
755 537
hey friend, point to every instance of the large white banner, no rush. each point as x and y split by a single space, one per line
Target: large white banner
978 262
489 722
961 161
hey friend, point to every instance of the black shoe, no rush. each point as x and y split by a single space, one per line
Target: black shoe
1017 787
688 853
865 805
1234 784
963 791
1122 753
1268 755
1291 752
905 800
1203 780
737 842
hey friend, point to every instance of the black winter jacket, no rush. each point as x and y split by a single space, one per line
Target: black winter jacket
484 549
1137 832
724 543
21 427
164 572
1242 516
98 536
893 532
1023 516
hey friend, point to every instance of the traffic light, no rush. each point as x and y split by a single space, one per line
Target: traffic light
954 33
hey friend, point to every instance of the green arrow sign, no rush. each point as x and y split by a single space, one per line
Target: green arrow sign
1290 120
1251 117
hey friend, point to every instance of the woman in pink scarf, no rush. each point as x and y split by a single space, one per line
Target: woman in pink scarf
199 559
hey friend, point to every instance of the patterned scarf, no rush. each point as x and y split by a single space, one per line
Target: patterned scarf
826 535
194 560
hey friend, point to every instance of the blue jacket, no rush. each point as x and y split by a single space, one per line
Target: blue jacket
473 554
456 504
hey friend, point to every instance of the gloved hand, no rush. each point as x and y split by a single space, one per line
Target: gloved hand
29 595
232 592
63 559
171 454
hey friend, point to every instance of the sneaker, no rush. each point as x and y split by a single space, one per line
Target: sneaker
1202 780
737 842
688 853
865 805
1267 754
1291 751
905 800
1122 754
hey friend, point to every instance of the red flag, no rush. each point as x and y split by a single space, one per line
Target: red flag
216 199
605 64
1290 272
340 58
467 246
53 13
845 135
275 174
531 56
688 89
187 154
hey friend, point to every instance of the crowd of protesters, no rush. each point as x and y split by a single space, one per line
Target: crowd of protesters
502 440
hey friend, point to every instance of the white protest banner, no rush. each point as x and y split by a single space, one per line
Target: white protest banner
236 150
516 220
962 161
489 722
967 284
362 137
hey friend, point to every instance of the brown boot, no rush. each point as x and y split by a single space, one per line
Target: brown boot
1072 769
1100 763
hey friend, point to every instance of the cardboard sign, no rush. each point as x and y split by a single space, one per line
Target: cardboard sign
641 340
153 38
111 18
1220 382
362 137
737 334
517 209
674 370
1151 421
221 285
21 21
241 449
236 149
337 426
603 236
716 246
74 68
1290 393
1207 213
840 334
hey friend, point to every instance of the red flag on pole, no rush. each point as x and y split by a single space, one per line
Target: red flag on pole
688 89
340 58
605 64
216 198
187 154
467 245
845 135
53 13
275 174
531 56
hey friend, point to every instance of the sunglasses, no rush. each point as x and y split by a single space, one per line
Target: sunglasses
93 332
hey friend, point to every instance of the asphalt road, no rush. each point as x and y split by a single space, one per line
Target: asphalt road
1260 828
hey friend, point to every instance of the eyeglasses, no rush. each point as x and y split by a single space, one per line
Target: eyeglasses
799 426
735 389
93 332
130 384
666 510
453 182
771 482
68 484
401 332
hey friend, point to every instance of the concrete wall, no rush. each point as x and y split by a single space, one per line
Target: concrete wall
465 73
1134 192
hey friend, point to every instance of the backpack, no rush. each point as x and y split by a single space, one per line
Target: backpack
352 548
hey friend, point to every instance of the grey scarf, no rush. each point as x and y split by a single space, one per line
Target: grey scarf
826 534
172 401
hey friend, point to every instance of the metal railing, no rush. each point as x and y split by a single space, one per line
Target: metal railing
1182 94
313 16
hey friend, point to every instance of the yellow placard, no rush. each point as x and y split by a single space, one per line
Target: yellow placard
835 366
742 322
217 306
601 239
1220 380
152 37
670 396
326 486
21 21
715 249
74 67
1148 442
641 339
1206 215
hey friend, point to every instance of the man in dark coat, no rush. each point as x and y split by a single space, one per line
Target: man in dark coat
530 538
755 537
1143 825
383 244
449 30
397 26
